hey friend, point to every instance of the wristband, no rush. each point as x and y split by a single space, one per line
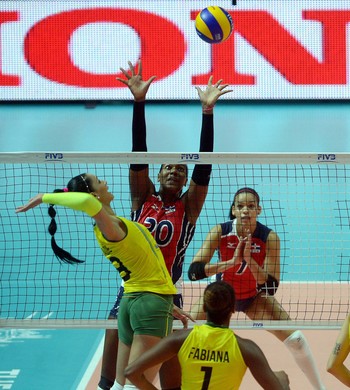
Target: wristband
201 174
270 286
208 109
196 271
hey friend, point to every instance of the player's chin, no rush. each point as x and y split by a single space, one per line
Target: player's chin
173 187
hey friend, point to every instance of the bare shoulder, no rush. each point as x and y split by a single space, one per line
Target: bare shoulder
217 229
273 240
273 235
249 349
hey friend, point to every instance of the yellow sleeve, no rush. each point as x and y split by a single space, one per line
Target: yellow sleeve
80 201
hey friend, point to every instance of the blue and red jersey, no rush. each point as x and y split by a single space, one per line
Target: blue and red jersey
240 276
171 229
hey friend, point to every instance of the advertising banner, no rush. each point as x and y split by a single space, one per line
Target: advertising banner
73 50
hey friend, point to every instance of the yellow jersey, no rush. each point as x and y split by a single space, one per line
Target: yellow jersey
210 359
138 260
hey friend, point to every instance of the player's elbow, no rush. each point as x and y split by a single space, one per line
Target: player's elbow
334 369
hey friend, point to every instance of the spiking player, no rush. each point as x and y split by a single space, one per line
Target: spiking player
146 308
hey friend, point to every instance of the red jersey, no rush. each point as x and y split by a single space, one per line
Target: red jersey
240 276
170 228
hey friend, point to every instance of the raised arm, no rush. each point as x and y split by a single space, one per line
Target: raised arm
259 367
111 228
161 352
340 352
195 196
139 181
200 267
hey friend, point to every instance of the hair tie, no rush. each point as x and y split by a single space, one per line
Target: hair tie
65 189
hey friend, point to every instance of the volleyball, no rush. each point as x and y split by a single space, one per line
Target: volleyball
214 24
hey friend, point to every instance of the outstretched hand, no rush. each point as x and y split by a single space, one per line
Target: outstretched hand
182 316
33 202
211 94
134 81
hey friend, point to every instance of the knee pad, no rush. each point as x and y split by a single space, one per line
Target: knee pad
296 341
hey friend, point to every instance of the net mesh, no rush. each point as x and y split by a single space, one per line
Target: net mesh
304 199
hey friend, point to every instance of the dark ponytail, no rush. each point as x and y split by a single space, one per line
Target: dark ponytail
62 255
79 183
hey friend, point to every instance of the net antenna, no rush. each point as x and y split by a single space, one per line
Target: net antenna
304 198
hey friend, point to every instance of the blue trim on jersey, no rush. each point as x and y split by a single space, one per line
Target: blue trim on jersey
261 231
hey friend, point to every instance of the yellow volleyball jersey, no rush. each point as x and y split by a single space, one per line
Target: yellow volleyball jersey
210 359
138 260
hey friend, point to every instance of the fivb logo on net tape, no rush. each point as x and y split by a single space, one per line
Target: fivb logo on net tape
190 157
54 157
324 157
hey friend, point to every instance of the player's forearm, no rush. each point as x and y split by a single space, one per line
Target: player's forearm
200 270
139 128
79 201
222 266
207 134
258 272
139 143
201 173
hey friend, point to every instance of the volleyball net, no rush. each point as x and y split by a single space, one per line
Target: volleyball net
304 198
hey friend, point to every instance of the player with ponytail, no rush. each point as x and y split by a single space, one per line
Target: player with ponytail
131 249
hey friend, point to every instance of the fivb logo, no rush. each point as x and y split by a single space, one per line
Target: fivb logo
190 157
53 156
326 158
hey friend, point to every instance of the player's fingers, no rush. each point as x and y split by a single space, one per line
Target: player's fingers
188 315
224 92
139 63
223 86
149 81
125 73
122 80
132 68
184 321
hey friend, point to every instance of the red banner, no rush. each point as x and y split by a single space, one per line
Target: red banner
73 50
